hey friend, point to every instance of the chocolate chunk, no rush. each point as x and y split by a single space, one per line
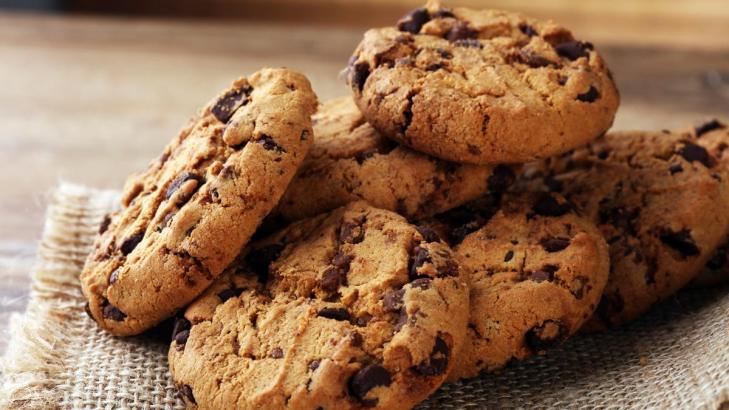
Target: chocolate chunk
229 293
181 179
501 178
366 379
545 273
352 232
533 59
130 243
590 96
114 275
334 313
445 53
359 75
269 144
434 67
392 302
680 241
718 259
181 339
105 224
438 360
450 268
547 205
260 259
509 255
460 31
675 168
472 149
356 339
186 392
402 320
331 279
421 283
342 261
229 103
314 364
548 334
277 353
573 49
692 152
414 21
112 312
419 257
554 244
428 234
181 331
707 126
443 13
469 42
528 30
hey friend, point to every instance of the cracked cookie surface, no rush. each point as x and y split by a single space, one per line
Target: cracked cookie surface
482 86
536 272
350 160
186 217
352 309
660 200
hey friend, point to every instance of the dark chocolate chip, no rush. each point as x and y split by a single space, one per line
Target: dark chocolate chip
392 302
445 53
533 59
229 293
181 331
428 234
707 126
528 30
331 279
104 224
546 273
112 312
181 179
547 205
590 96
692 152
334 313
501 178
718 259
554 244
270 144
573 49
186 392
437 363
359 75
548 334
472 149
130 243
402 320
277 353
460 31
181 339
352 231
366 379
450 268
469 42
414 21
342 261
421 283
260 259
419 257
509 255
314 364
443 13
675 168
229 103
356 339
434 67
114 276
680 241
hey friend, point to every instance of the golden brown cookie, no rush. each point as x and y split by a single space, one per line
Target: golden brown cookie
536 272
352 309
482 86
350 161
659 198
185 218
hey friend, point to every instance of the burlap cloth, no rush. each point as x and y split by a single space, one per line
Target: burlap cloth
677 356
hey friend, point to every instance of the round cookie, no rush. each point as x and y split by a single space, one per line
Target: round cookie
482 86
350 160
187 216
352 309
536 272
660 200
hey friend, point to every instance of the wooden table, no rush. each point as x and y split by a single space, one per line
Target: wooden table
90 100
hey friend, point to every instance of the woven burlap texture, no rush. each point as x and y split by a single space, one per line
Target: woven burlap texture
677 356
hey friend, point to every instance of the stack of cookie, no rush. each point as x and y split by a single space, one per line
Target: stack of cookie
462 209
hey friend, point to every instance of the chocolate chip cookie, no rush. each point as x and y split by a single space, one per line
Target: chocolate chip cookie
185 218
482 86
660 200
350 160
351 309
537 270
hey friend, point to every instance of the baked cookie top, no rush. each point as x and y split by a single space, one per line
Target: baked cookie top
536 272
187 216
660 200
350 160
355 308
482 86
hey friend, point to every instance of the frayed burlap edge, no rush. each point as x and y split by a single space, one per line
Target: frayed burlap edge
36 357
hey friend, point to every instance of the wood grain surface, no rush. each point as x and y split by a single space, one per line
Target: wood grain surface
91 99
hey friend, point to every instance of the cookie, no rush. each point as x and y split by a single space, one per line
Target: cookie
536 272
716 271
482 86
187 216
355 308
350 160
660 200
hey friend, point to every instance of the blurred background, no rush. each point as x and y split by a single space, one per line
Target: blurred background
92 90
